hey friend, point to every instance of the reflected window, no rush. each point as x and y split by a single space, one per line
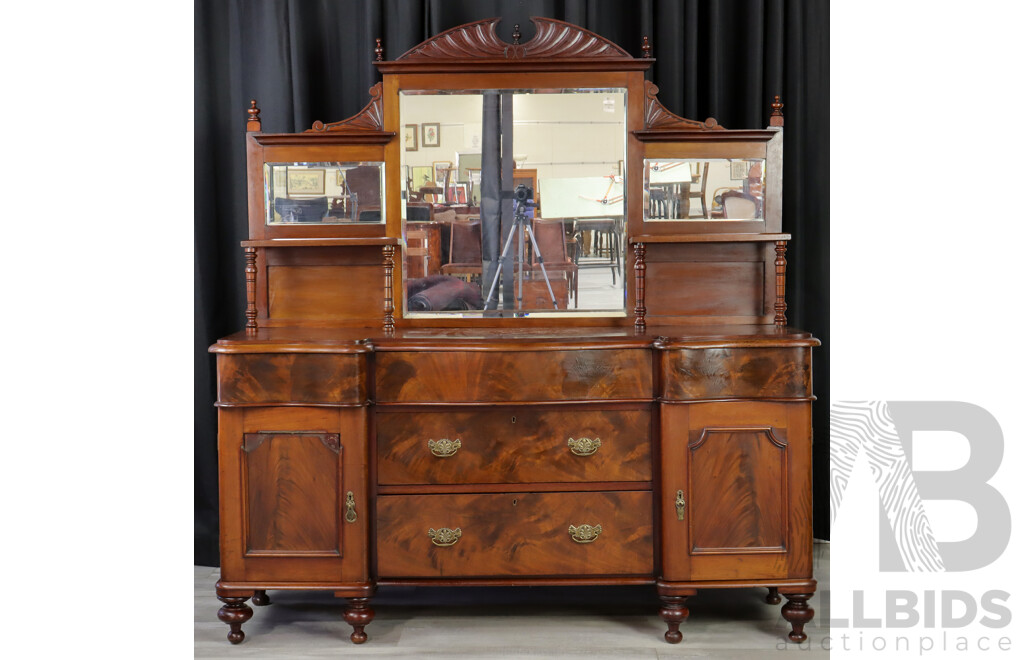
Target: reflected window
678 189
514 201
323 193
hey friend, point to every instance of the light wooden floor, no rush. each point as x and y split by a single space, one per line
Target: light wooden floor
585 622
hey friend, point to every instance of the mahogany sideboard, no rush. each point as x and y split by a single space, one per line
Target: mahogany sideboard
666 441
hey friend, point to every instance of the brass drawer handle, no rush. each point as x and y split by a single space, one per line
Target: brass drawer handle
584 533
584 446
350 507
444 447
444 537
680 505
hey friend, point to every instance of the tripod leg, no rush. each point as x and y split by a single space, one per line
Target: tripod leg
501 260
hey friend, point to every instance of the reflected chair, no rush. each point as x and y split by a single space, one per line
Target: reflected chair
737 205
554 248
702 194
606 242
464 249
417 247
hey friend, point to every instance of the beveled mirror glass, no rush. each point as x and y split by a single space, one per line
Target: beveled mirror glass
323 193
680 189
514 201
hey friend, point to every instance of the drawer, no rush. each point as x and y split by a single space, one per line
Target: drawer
515 534
291 378
467 376
513 445
693 374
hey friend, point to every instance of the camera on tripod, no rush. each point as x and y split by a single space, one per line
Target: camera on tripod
523 195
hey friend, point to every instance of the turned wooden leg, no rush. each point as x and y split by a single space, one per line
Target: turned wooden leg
260 598
772 598
358 615
234 613
797 612
674 612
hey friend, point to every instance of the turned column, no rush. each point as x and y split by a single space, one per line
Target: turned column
640 269
260 598
234 613
389 303
772 598
250 290
780 283
797 612
358 615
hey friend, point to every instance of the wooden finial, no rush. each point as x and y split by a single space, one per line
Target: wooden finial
253 123
516 36
646 47
776 117
379 51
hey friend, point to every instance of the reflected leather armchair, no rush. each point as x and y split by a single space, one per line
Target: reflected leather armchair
737 205
554 248
464 249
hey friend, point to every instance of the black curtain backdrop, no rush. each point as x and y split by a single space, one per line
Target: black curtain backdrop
305 60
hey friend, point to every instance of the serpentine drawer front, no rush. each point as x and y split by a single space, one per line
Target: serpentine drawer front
515 534
513 445
457 376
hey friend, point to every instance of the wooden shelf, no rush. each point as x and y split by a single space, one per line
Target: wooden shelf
708 238
322 242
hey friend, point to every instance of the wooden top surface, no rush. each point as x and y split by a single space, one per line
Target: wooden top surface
366 340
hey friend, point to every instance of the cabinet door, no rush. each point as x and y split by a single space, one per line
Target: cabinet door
736 491
293 495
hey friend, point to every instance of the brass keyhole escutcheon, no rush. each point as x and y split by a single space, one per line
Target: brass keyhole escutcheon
513 419
680 505
350 507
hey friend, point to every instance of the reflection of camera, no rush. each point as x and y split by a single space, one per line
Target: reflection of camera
522 193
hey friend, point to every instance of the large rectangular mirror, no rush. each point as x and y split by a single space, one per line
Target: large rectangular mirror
514 201
680 189
323 193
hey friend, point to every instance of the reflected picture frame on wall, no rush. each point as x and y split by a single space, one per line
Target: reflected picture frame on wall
411 138
431 135
304 181
738 169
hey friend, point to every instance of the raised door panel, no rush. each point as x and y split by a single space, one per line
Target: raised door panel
292 484
736 491
287 515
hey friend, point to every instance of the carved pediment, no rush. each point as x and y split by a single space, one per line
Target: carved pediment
656 116
553 40
370 118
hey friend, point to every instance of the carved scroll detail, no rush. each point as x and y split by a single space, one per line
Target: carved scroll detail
370 118
554 39
656 116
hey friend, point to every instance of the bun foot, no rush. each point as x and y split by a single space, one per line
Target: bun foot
772 598
261 598
234 613
358 614
798 613
674 612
